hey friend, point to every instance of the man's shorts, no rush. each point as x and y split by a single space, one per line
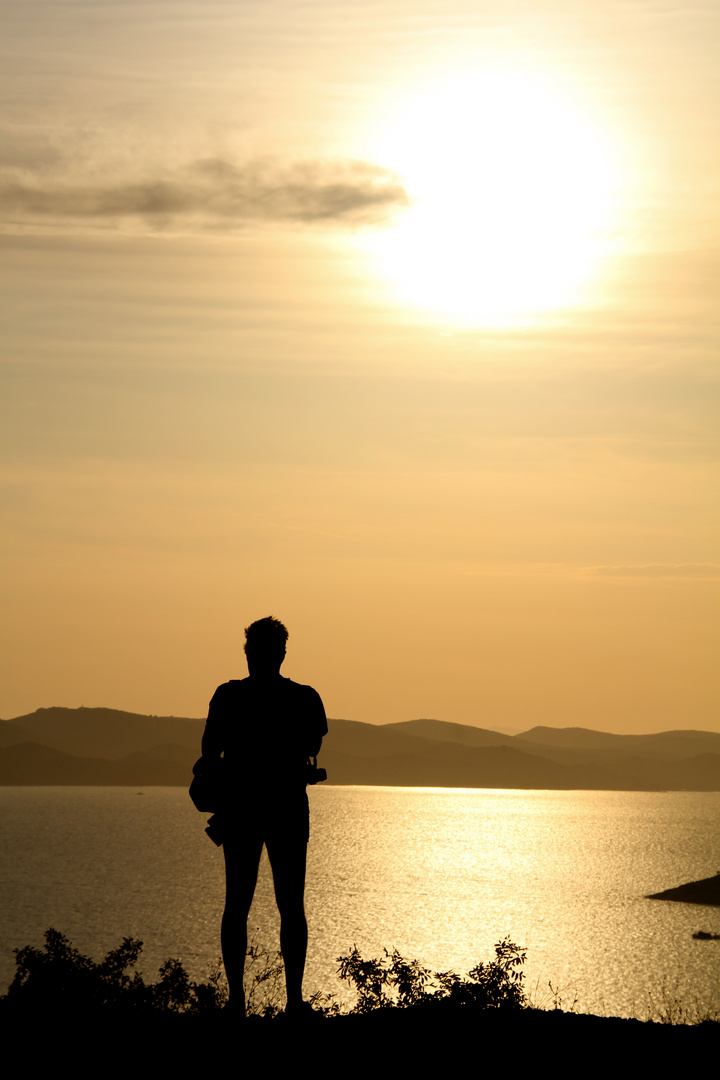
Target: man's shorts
264 817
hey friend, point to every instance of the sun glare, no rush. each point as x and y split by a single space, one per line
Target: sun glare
512 195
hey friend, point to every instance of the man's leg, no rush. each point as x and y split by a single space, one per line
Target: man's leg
288 859
242 858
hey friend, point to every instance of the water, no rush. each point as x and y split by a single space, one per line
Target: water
440 874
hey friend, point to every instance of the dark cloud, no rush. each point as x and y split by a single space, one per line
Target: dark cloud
214 191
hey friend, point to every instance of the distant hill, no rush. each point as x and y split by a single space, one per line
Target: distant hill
110 747
668 745
30 764
106 733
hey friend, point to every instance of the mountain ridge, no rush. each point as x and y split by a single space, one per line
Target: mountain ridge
110 746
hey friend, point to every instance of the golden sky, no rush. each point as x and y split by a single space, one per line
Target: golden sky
396 321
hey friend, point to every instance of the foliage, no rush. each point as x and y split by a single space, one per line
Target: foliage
393 982
60 976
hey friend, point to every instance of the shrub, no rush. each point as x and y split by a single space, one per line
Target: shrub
393 982
58 976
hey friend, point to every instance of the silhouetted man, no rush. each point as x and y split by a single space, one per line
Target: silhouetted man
266 727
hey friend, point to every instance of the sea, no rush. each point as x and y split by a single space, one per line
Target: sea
440 874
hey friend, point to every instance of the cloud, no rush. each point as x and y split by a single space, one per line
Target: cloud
656 570
23 149
212 192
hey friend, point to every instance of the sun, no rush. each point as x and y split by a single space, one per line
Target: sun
512 195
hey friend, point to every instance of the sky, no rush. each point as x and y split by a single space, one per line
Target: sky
395 321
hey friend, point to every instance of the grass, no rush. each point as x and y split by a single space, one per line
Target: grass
669 1008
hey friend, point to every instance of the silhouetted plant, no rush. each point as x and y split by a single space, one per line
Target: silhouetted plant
393 982
669 1008
264 981
265 985
60 976
111 972
58 972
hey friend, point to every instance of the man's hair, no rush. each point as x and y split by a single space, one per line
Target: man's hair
266 635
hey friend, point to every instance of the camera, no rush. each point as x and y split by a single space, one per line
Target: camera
215 830
313 773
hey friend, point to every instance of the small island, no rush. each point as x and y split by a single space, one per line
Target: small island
706 891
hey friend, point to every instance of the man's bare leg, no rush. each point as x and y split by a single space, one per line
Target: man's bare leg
241 870
288 861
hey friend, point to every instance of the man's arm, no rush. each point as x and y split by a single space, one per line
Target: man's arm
213 742
317 722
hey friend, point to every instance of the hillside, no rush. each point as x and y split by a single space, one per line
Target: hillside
107 746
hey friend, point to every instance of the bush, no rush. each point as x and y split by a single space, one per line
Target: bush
393 982
59 976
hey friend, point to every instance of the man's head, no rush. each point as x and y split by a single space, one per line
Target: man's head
265 642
